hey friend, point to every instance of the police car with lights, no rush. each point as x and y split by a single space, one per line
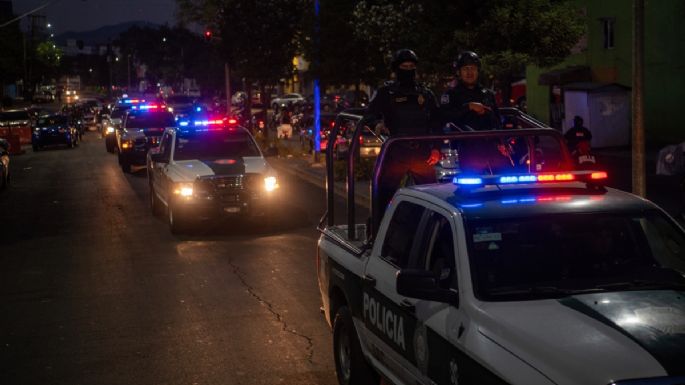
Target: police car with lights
210 168
518 270
141 130
113 121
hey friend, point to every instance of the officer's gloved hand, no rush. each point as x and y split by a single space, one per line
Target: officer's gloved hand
434 157
479 108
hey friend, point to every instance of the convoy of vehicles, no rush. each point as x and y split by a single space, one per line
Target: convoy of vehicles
209 168
501 264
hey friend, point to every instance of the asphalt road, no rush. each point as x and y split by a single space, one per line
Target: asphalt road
95 290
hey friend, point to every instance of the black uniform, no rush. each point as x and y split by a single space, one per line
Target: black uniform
454 108
406 109
577 134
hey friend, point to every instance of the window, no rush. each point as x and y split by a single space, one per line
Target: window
608 31
436 252
165 145
402 231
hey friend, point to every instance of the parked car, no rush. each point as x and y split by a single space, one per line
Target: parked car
286 101
54 129
347 122
4 163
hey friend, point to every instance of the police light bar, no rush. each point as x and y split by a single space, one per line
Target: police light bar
213 122
571 176
133 101
147 107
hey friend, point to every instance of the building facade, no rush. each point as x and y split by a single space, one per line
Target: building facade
604 57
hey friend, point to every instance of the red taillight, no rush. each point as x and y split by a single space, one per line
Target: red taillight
599 175
332 124
361 140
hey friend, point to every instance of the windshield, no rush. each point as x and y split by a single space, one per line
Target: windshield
552 256
14 115
215 145
118 113
52 121
150 120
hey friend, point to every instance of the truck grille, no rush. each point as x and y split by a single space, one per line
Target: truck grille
229 189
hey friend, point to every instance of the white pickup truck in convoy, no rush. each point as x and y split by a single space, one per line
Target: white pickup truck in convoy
210 168
518 270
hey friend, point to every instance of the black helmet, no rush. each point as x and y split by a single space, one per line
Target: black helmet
402 56
466 58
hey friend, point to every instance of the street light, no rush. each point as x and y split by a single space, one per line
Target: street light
164 39
49 25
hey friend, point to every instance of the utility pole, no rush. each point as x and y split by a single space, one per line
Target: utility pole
317 91
638 134
227 75
128 72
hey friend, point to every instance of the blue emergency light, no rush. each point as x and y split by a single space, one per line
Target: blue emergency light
571 176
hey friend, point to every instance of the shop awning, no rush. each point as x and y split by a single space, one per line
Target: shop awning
566 75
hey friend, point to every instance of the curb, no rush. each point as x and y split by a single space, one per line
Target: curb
303 173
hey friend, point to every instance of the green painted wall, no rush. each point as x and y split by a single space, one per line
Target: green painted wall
664 62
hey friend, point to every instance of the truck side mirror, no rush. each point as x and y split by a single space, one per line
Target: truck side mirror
423 284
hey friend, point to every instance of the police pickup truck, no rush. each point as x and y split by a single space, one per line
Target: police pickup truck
518 270
141 130
209 168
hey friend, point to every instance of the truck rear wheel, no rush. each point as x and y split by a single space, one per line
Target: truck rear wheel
350 365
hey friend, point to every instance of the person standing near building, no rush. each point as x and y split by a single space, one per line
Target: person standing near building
469 105
577 134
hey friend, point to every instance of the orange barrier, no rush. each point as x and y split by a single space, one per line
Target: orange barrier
15 144
24 133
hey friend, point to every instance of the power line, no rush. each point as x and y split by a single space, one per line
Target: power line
29 12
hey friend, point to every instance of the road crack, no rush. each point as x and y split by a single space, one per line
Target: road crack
269 306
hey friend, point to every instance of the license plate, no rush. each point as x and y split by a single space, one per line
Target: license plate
232 209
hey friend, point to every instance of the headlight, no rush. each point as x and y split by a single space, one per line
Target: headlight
126 144
184 189
270 183
37 129
171 109
110 129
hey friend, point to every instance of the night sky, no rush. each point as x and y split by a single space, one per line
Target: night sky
84 15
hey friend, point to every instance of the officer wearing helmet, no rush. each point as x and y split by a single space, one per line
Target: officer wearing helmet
406 106
469 104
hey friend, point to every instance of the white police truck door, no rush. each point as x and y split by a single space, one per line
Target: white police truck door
388 319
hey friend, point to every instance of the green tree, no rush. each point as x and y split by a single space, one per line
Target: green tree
257 38
337 55
508 34
48 58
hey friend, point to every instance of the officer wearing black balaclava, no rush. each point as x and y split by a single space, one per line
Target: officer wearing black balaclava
469 105
406 106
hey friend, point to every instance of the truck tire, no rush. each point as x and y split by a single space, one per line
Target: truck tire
125 166
178 224
350 365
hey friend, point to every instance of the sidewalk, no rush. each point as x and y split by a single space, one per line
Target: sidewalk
304 167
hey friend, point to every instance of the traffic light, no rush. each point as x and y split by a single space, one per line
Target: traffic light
208 35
